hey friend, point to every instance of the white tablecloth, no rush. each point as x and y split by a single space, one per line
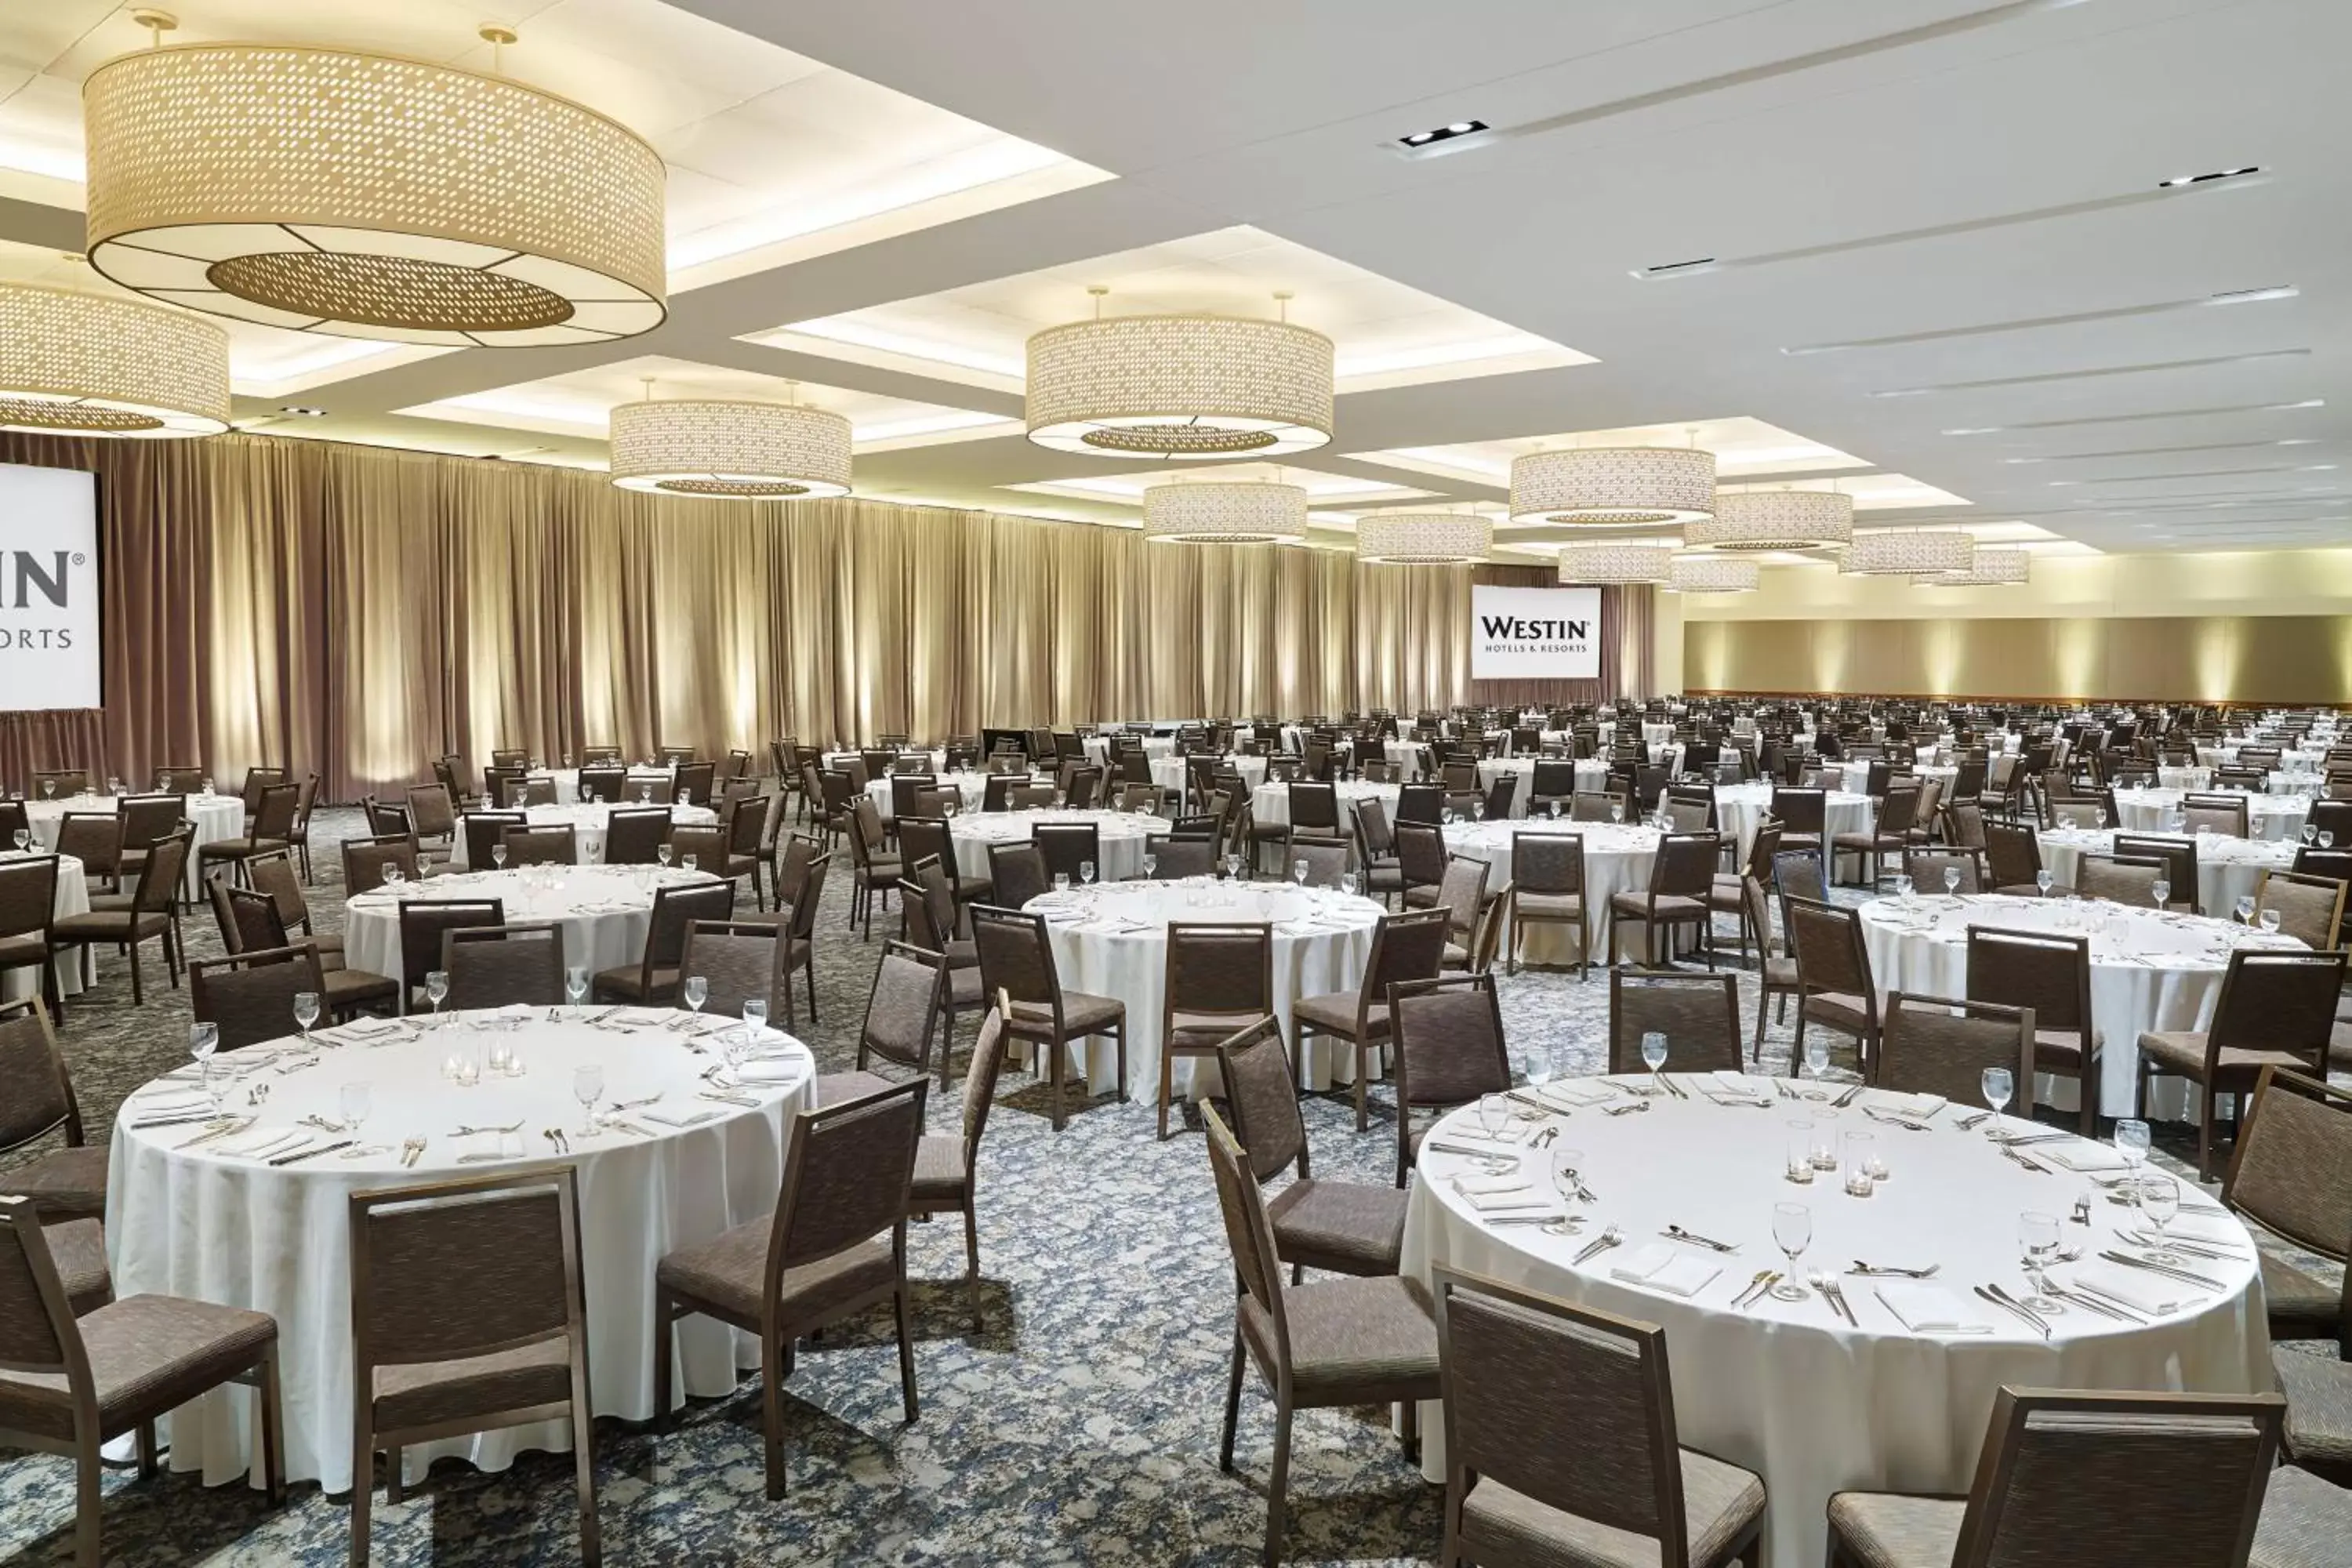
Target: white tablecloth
1168 771
73 898
567 782
1270 804
2308 760
216 816
604 911
1739 808
1120 835
1617 859
1788 1389
208 1225
1321 941
972 786
2227 868
2267 815
1408 759
2148 971
588 822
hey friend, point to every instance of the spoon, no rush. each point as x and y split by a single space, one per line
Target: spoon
1602 1243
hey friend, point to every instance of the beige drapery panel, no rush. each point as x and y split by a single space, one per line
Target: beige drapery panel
357 611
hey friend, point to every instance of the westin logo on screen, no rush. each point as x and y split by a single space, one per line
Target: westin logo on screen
24 581
1518 629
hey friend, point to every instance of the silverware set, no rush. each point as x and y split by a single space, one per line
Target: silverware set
1826 1285
2082 1297
554 1135
411 1150
2008 1303
2183 1275
1599 1244
1893 1119
2176 1244
1676 1233
2009 1153
299 1155
225 1127
1889 1271
1625 1109
1753 1291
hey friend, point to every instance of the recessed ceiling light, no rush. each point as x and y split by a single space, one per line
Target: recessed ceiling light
1672 267
2179 180
2254 296
298 411
1458 129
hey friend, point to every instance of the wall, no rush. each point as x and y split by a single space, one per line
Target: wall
2244 626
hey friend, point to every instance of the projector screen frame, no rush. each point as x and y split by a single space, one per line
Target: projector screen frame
9 700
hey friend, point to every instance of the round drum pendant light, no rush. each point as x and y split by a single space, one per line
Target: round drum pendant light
1624 564
1987 568
1247 512
1713 575
1423 539
1907 553
722 450
370 196
1619 487
89 365
1774 520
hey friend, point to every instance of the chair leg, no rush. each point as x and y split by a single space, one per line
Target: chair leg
138 989
584 1476
1277 1482
771 1418
273 1431
665 1328
1232 1402
391 1476
362 1495
88 1505
1363 1083
1167 1086
1118 1043
1054 1070
906 1357
971 1260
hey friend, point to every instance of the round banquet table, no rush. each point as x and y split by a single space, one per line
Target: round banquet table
2267 815
1120 834
2149 971
1740 808
2228 868
1270 804
1617 859
567 782
72 898
1408 759
1591 773
1857 774
1112 941
227 1226
588 821
969 785
2308 760
1155 747
605 909
1168 772
216 816
1790 1390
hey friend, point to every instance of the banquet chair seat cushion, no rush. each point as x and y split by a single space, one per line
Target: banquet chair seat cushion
1888 1530
1333 1013
1359 1338
357 988
423 1393
79 1245
1383 877
975 890
147 1354
2063 1047
730 1272
627 984
111 925
962 952
2306 1522
1348 1227
1780 973
1420 896
2182 1051
1500 1525
1868 843
943 1174
1839 1010
18 951
2319 1390
65 1184
1671 906
964 987
1081 1014
2300 1306
238 849
1550 906
1202 1031
1455 956
835 1088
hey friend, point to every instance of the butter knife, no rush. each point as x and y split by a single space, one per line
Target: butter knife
299 1155
2002 1295
1676 1233
2185 1276
2020 1313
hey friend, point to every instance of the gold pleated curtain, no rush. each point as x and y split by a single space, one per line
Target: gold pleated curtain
357 611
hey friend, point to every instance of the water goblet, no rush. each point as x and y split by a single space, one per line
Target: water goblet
499 857
1568 1172
690 861
1348 883
2042 880
1493 1115
1151 864
1951 879
2131 1141
2159 1201
2269 920
306 1013
695 992
755 1020
587 1088
24 837
204 785
2161 891
1087 872
575 986
2243 911
48 789
661 852
1617 811
1817 1062
1902 886
437 991
1792 1232
1653 1056
2099 816
356 1101
1233 866
204 1039
1298 872
2310 834
1996 1084
2037 1237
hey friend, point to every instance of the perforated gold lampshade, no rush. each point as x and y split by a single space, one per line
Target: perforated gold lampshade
370 196
1189 388
1774 520
1907 553
1713 575
1987 568
1591 563
1241 512
1422 539
91 364
1614 487
723 450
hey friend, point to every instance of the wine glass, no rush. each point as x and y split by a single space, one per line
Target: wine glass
1087 872
575 986
587 1088
1792 1232
2244 909
499 857
1298 872
661 852
2037 1237
1997 1084
1653 1056
204 1039
437 991
1493 1115
1348 884
690 861
2326 839
1566 1172
1151 864
24 837
2042 881
2159 1200
2310 834
2099 816
755 1020
357 1102
2161 891
1233 866
1617 811
2269 920
1902 886
48 789
695 992
392 876
1817 1062
306 1013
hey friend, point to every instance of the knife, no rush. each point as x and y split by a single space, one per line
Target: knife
229 1129
2167 1269
2018 1312
2002 1294
179 1121
1676 1233
299 1155
1843 1100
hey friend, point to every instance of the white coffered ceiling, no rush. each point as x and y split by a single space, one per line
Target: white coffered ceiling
1942 270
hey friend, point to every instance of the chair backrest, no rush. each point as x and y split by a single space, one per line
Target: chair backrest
1422 803
250 996
634 835
2043 971
256 779
422 922
1801 810
1016 959
2310 909
1448 1034
1408 946
1327 859
902 1013
1547 863
500 966
365 858
2209 816
1220 969
28 894
608 784
1685 866
1261 1094
272 872
1374 835
555 845
738 962
486 831
1797 874
2013 854
1421 853
1698 1014
1017 872
847 1173
1180 855
93 837
40 1096
147 817
1065 846
676 910
247 918
1249 1232
1459 891
1936 1045
2278 1002
37 1332
2292 1168
1926 867
2177 855
1595 805
695 782
2178 1478
1567 1405
160 875
1827 943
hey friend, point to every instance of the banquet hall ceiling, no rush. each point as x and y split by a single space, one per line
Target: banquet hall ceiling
1942 266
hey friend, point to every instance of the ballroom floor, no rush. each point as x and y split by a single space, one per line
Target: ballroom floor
1080 1428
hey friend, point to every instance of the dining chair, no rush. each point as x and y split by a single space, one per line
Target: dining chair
2014 860
634 835
834 1248
148 817
1942 1045
653 979
503 965
901 1012
737 961
1176 856
1017 872
2222 813
364 860
947 1164
2275 1009
2291 1173
926 920
1376 850
1422 862
2050 974
2310 909
1346 1341
149 913
1745 894
1016 958
508 1349
66 1183
1067 848
422 922
70 1384
1548 889
2180 1479
875 868
796 924
555 845
607 785
1698 1014
1448 1034
1802 813
2120 878
1835 987
1407 946
432 817
1682 878
1886 836
249 997
1217 980
29 906
1561 1444
1926 867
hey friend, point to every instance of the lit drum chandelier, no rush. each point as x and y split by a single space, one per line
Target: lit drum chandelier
1617 563
1422 539
718 450
1243 512
1774 520
1614 487
1987 568
1186 387
87 365
1712 574
1929 552
368 196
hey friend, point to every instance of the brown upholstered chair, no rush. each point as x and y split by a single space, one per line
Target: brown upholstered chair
1448 1034
1746 893
1421 863
1347 1227
69 1383
1548 889
2049 975
508 1347
273 875
634 835
1017 959
148 913
250 921
1017 873
1175 855
2222 813
485 833
797 922
557 844
1218 981
1698 1014
901 1012
877 869
2291 1173
2123 879
1682 878
1835 987
1560 1444
2276 1009
1802 813
29 906
2180 1477
1461 893
737 961
1887 836
1408 946
94 838
364 860
146 818
925 837
1938 1045
2013 859
431 816
272 828
1361 1340
1926 867
2310 909
422 922
653 979
249 997
947 1164
1068 849
818 1259
67 1182
927 918
59 784
503 965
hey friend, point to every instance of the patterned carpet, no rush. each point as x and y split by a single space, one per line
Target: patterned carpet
1080 1428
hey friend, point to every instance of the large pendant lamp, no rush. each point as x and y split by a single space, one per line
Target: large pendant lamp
715 448
1615 486
1774 520
1712 574
1987 568
1422 539
370 196
89 365
1241 512
1908 554
1184 387
1616 563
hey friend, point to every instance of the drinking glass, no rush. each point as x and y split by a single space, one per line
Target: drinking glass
1539 1067
1494 1114
437 991
2037 1237
392 876
306 1013
1792 1231
24 836
2042 880
2244 911
662 853
1862 1164
48 789
2159 1200
2310 834
755 1020
1817 1062
499 857
1903 886
1951 879
1348 883
1998 1084
1566 1172
1061 882
587 1088
1616 811
1233 866
1150 863
1800 1164
2270 921
204 1039
1298 872
2326 839
2099 816
696 991
1653 1056
1087 872
356 1102
575 986
2161 891
690 861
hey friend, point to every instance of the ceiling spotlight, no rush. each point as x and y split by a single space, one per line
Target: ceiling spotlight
1420 139
2179 180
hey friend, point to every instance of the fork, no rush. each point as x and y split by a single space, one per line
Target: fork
484 1132
411 1150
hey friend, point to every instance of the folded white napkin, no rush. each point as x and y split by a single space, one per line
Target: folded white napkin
515 1012
2084 1158
175 1100
643 1017
369 1029
2219 1229
1661 1267
1730 1085
769 1069
1479 1150
1479 1186
1926 1308
2152 1294
681 1118
1057 913
1918 1107
1577 1093
1494 1202
264 1144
